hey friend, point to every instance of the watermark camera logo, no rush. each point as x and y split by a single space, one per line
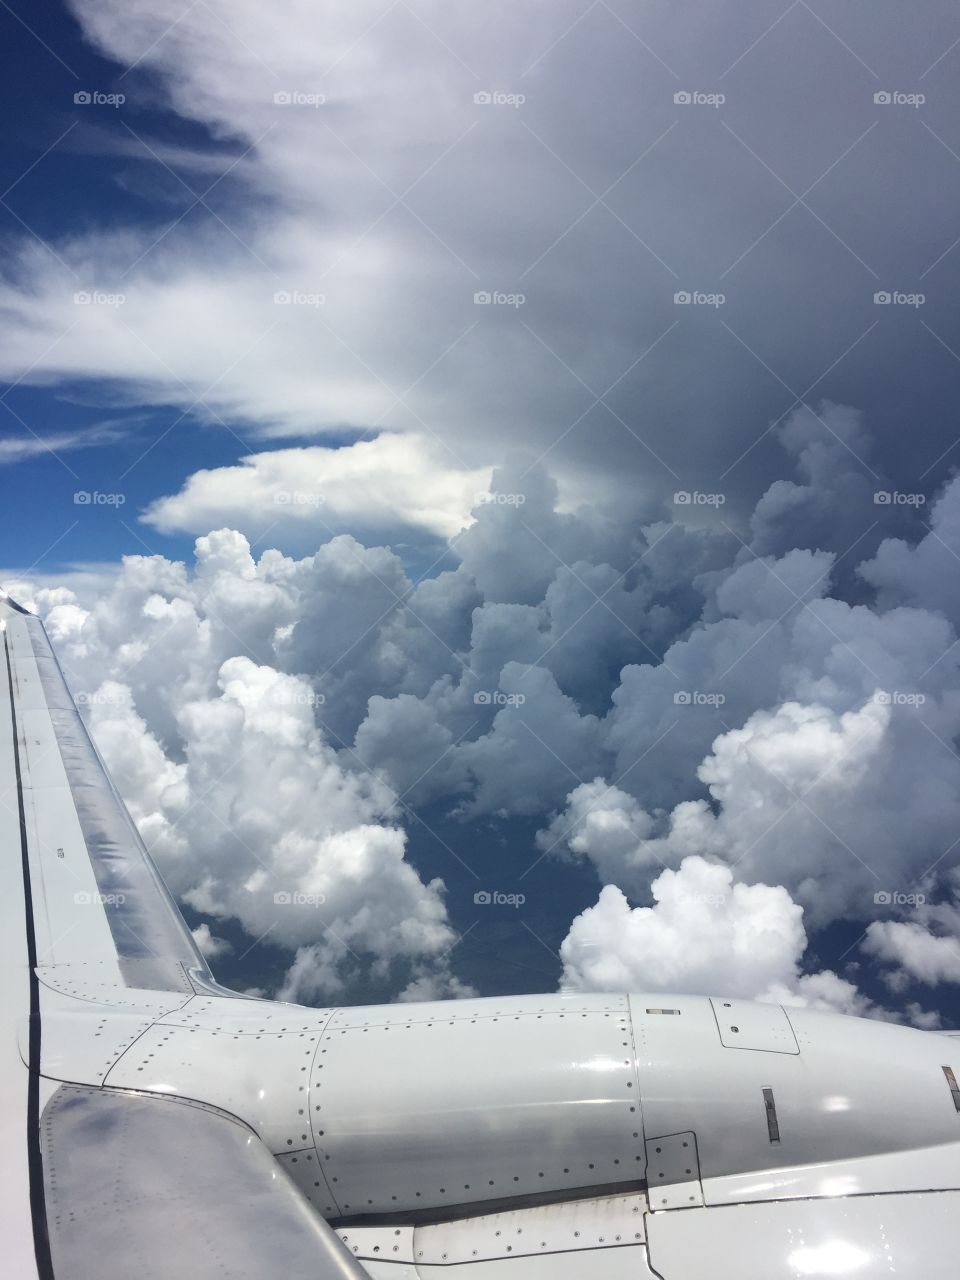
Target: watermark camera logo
703 899
296 98
497 698
94 498
94 98
494 898
694 298
298 697
696 698
896 98
95 298
87 899
298 498
697 98
896 298
298 298
898 698
100 698
497 499
498 298
894 898
694 498
297 898
894 498
497 98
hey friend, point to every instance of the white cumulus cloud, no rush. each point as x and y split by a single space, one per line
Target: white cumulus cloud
919 954
707 934
387 484
261 823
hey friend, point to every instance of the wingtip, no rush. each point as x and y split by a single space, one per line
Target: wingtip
9 605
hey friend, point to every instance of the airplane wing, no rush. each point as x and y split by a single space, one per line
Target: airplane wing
154 1126
98 1182
80 844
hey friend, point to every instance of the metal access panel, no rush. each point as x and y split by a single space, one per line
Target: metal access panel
673 1172
745 1025
608 1222
585 1227
414 1113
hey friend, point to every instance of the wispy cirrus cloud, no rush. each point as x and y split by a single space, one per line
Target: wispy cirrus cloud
21 448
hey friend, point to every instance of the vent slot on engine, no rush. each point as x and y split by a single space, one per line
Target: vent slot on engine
773 1124
954 1087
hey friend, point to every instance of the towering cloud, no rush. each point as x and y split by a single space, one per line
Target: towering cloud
260 823
272 722
703 930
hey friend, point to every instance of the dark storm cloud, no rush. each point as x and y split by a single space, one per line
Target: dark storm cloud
581 187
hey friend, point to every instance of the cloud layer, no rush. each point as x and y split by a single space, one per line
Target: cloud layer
276 723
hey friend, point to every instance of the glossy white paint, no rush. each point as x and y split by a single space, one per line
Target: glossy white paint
496 1102
744 1025
84 1038
856 1090
920 1170
570 1004
261 1076
912 1237
362 1106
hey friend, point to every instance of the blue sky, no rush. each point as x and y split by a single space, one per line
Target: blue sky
60 188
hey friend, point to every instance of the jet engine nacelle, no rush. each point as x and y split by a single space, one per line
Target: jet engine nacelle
404 1109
